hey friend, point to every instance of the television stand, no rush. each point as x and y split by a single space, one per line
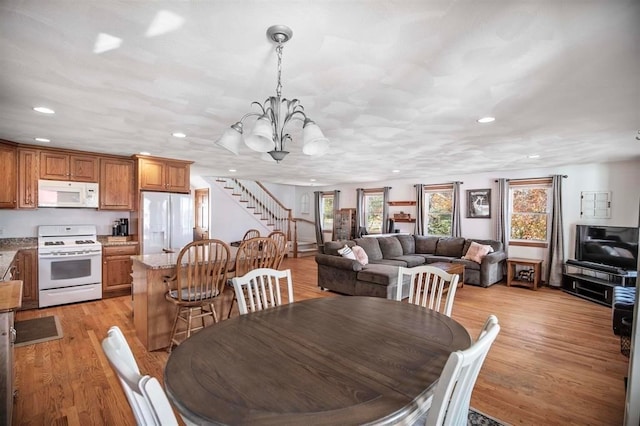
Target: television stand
593 283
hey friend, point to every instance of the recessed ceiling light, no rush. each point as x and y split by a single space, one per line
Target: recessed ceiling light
42 139
179 135
232 170
395 171
44 110
312 180
484 120
532 156
145 153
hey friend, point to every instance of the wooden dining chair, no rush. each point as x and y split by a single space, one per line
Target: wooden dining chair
427 286
201 273
452 395
146 397
281 240
251 233
260 289
260 252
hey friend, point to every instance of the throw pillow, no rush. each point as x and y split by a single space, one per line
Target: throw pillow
346 252
477 252
361 255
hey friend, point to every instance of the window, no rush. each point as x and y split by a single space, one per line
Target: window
327 212
438 207
373 203
529 212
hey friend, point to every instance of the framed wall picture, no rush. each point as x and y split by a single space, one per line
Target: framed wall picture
479 203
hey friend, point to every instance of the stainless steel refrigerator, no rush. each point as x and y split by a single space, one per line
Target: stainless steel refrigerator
167 221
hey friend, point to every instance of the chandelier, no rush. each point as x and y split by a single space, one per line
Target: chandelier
269 132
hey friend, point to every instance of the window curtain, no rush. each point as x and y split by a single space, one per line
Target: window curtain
336 207
385 210
419 209
556 244
502 214
361 228
317 210
456 228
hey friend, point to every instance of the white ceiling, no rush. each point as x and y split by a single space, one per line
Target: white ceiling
393 84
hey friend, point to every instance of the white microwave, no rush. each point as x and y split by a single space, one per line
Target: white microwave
60 193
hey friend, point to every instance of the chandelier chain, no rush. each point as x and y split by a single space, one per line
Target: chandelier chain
279 86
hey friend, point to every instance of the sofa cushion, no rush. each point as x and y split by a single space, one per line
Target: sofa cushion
408 243
379 274
450 246
495 245
411 260
425 244
371 246
332 247
477 252
361 255
431 258
468 264
390 247
393 262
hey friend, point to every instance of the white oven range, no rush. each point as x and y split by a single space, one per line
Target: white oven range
69 264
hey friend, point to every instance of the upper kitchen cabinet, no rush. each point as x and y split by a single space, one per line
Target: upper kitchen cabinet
9 165
117 179
161 174
65 166
28 173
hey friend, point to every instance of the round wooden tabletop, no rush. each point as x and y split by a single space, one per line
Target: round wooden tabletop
336 360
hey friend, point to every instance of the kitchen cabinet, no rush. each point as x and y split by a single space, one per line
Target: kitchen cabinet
116 269
63 166
9 302
28 173
9 166
117 184
25 268
165 175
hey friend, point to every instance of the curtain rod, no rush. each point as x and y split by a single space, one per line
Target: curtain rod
437 184
538 178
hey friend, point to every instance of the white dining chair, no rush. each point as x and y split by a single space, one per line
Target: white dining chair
427 285
146 397
260 289
452 395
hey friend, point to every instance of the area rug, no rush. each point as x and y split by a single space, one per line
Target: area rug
37 330
479 418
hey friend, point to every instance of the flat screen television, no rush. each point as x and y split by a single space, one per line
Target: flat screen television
609 245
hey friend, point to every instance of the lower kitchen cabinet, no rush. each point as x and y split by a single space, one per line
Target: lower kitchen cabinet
25 269
116 269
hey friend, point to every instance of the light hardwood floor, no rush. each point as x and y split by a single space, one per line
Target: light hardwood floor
555 362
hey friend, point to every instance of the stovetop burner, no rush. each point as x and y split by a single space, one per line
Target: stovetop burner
85 242
54 243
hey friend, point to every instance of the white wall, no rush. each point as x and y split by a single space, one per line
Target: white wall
24 223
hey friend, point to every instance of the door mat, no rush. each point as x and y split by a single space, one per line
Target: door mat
37 330
479 418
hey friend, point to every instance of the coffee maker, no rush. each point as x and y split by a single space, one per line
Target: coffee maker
123 227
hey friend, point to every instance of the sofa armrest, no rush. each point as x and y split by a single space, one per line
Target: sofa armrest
495 257
338 262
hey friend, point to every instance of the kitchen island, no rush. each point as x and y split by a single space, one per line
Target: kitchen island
153 315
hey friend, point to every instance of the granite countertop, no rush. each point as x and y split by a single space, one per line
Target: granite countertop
6 257
157 261
8 249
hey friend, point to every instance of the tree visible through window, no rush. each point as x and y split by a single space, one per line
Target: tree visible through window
373 202
529 213
327 212
439 211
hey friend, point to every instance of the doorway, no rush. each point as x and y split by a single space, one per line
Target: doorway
201 227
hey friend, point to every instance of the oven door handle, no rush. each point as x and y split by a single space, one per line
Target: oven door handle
69 255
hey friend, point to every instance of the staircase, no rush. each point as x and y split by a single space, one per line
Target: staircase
254 197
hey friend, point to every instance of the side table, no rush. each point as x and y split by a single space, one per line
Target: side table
536 264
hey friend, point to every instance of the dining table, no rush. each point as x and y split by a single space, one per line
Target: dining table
325 361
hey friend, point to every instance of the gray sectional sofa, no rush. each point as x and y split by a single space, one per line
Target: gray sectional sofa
378 278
